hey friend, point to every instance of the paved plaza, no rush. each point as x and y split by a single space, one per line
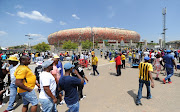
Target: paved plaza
109 93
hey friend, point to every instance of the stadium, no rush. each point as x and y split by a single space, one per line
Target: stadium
99 34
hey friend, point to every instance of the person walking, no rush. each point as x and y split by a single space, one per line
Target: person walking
14 62
81 73
69 85
145 76
118 64
25 81
94 64
47 96
123 60
169 65
157 65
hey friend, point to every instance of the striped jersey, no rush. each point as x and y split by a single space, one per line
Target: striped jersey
144 69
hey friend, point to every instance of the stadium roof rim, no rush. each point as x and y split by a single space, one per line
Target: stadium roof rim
96 27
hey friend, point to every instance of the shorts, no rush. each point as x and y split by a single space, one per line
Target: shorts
29 97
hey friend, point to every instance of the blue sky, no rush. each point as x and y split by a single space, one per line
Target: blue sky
39 18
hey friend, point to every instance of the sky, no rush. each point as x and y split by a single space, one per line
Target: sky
39 18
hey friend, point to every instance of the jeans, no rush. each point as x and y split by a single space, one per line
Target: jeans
33 59
48 105
170 72
12 98
141 83
29 97
73 107
118 67
152 60
130 57
95 69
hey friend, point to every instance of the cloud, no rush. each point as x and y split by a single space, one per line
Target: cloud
22 22
10 14
35 15
2 33
111 12
38 38
75 16
62 23
18 7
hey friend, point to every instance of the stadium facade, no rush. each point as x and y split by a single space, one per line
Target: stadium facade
99 34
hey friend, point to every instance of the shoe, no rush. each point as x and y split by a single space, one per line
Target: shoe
98 74
61 103
8 111
170 82
149 97
164 81
157 78
90 73
138 103
84 96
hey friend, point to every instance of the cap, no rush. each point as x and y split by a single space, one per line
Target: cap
13 58
56 56
146 58
39 63
168 51
67 66
47 63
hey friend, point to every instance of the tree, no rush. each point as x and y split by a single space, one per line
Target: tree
86 44
42 47
69 45
96 44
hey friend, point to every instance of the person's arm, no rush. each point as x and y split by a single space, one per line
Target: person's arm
76 72
152 81
19 83
48 92
86 78
175 64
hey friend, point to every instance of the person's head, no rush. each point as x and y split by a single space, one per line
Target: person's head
168 51
68 67
25 60
93 55
56 59
158 55
48 65
146 59
76 63
13 60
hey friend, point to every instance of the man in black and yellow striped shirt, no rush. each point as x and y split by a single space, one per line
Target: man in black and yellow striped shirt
145 69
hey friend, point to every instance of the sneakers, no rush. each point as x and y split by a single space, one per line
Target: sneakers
8 111
169 82
149 97
157 78
164 81
61 103
83 97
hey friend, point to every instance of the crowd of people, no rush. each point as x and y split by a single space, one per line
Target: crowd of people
53 84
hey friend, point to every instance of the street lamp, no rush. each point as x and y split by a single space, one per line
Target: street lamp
92 33
30 38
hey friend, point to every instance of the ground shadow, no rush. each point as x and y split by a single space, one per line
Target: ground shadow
158 80
177 74
112 73
132 94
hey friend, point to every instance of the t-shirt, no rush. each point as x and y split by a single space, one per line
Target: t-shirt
144 69
118 60
12 70
80 71
94 60
3 57
47 79
69 85
130 54
123 57
168 58
25 73
82 56
37 71
146 54
56 71
152 55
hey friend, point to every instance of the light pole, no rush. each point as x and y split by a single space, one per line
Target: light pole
92 33
30 38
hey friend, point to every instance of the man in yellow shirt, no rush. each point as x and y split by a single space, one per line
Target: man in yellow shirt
26 80
123 58
94 64
145 69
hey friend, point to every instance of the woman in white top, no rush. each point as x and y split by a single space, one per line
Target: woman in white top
157 65
48 85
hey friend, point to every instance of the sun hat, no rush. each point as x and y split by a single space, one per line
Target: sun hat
168 51
47 63
12 58
56 56
67 66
